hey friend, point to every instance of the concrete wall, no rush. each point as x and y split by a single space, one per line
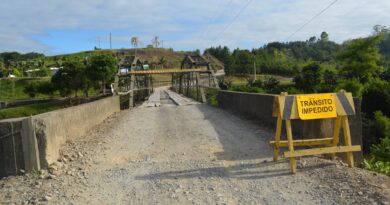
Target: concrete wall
53 129
43 135
11 150
259 107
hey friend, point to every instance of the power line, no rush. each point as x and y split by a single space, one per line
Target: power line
232 21
314 17
216 16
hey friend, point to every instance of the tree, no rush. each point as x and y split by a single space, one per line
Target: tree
70 78
310 78
324 36
162 61
101 69
360 59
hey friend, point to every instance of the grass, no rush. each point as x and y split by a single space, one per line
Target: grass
242 80
12 89
28 110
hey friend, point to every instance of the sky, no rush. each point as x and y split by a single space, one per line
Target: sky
58 26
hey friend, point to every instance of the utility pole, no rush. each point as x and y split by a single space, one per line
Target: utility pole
254 70
99 41
110 41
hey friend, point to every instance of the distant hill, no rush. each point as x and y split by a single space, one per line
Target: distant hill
153 56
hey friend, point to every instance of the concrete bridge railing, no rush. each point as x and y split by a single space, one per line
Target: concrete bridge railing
34 142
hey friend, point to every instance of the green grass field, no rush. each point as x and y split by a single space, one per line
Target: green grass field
12 89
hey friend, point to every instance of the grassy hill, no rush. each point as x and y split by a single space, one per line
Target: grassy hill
152 55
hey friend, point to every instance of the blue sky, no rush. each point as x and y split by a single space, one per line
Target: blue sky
58 26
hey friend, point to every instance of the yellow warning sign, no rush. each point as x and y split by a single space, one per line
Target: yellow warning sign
316 106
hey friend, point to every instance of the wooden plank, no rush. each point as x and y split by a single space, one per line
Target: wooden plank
293 163
326 150
30 146
277 138
307 142
347 140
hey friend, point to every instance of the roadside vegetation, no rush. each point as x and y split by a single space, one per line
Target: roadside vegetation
77 77
318 65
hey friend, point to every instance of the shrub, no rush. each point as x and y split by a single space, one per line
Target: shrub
225 84
255 83
46 88
380 153
248 89
376 96
31 89
211 96
378 166
271 85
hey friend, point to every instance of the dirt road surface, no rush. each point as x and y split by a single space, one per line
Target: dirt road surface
193 154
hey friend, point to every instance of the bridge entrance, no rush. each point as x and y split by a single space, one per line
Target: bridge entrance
136 85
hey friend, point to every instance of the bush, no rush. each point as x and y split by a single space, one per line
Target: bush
378 166
248 89
271 85
380 153
376 96
46 88
375 129
225 84
255 83
31 89
211 96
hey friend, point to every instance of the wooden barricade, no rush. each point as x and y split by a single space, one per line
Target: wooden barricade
308 107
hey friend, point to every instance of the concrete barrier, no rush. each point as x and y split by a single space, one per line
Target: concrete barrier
53 129
259 107
24 140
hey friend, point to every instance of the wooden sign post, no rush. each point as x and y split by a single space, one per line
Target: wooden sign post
309 107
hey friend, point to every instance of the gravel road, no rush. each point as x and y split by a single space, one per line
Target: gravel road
193 154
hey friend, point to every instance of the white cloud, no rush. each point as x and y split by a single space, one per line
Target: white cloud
186 24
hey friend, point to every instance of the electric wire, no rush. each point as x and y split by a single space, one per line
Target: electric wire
232 21
314 17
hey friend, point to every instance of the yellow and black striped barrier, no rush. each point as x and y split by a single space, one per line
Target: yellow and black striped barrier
308 107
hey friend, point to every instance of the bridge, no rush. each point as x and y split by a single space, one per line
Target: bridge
174 149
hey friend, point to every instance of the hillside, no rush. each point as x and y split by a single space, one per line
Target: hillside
153 56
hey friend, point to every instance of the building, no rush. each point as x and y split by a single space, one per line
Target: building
194 61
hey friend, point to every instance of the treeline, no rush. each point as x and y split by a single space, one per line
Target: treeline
16 63
360 66
288 58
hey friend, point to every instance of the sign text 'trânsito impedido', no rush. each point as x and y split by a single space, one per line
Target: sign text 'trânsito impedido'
316 106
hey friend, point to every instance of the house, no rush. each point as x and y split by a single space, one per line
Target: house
194 61
35 72
130 63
